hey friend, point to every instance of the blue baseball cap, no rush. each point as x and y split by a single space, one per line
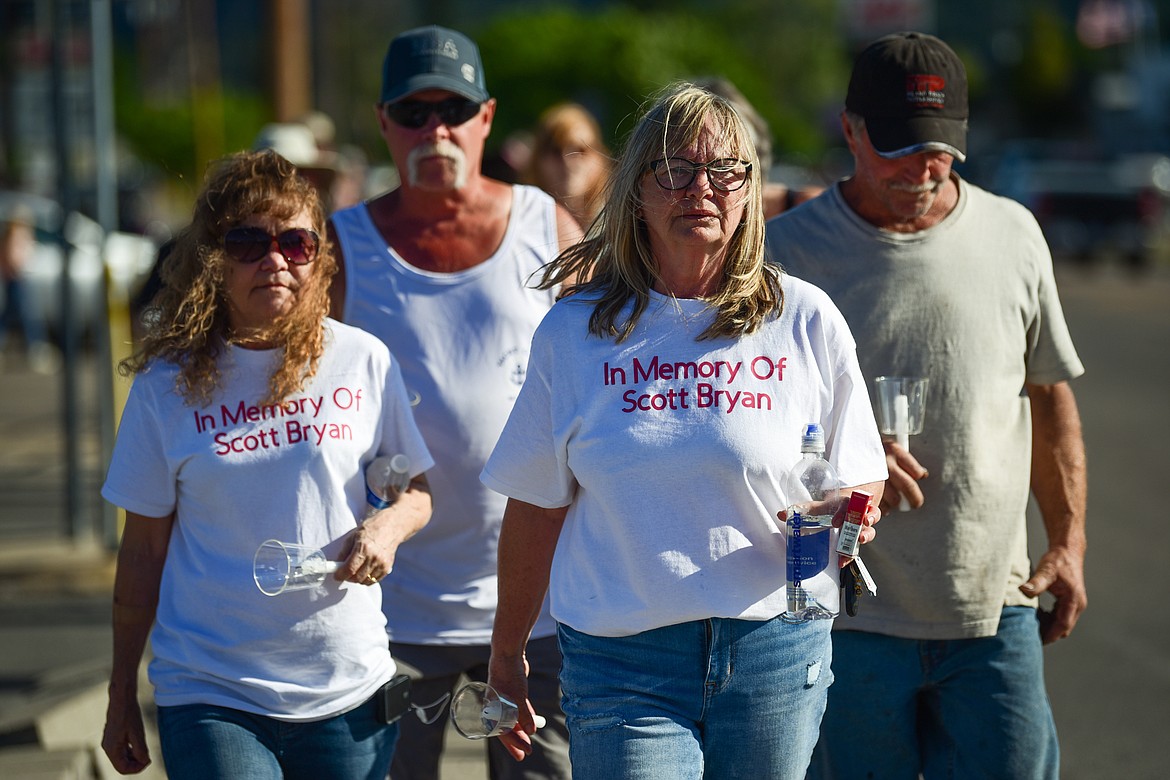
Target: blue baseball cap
432 58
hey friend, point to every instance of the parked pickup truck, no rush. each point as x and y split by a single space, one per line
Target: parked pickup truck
1092 206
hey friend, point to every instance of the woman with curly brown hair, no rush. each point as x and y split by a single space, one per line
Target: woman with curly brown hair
252 417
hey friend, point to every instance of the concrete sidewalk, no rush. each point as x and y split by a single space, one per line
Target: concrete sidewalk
55 646
55 593
55 661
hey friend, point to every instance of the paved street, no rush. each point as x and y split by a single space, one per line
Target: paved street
1109 683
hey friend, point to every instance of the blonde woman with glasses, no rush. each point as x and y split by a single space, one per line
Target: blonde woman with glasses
666 394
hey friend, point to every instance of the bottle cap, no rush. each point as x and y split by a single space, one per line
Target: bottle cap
813 439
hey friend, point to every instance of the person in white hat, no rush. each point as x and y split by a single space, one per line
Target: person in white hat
296 142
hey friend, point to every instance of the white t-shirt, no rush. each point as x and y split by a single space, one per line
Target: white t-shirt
670 453
971 304
235 474
462 339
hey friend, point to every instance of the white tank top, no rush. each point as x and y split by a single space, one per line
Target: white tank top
462 340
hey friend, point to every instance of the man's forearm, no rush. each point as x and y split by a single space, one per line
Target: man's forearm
1059 469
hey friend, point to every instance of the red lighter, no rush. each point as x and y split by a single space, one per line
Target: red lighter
850 539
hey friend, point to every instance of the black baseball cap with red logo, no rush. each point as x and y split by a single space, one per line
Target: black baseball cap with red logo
911 89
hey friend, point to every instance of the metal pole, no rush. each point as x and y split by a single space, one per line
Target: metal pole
101 35
106 184
68 197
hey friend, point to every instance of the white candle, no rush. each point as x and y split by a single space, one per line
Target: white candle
902 420
902 433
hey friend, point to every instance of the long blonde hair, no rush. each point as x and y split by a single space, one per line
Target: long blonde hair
187 323
614 263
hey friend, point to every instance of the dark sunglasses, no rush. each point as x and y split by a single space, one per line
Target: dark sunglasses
249 244
416 113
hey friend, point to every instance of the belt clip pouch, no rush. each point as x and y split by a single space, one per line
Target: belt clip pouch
393 699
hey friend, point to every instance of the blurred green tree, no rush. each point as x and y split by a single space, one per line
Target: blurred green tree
786 58
163 133
789 59
1045 86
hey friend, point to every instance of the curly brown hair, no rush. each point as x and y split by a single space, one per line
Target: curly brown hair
187 323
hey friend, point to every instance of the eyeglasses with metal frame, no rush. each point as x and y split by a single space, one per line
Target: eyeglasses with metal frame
248 244
726 174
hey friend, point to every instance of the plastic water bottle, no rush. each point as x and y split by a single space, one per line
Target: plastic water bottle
386 478
813 492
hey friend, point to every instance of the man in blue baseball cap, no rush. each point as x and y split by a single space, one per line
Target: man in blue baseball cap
438 268
432 58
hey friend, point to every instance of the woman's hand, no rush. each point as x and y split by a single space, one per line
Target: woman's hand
367 558
141 558
868 532
509 678
124 737
528 540
370 549
872 516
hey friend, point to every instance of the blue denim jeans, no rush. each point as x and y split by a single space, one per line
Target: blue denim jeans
204 742
717 698
961 708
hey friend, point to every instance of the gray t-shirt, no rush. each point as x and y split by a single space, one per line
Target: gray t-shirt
972 305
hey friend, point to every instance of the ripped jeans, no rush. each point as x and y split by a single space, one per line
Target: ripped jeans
716 698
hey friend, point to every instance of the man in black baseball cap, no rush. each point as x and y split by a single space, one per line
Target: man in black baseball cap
942 675
437 269
911 89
